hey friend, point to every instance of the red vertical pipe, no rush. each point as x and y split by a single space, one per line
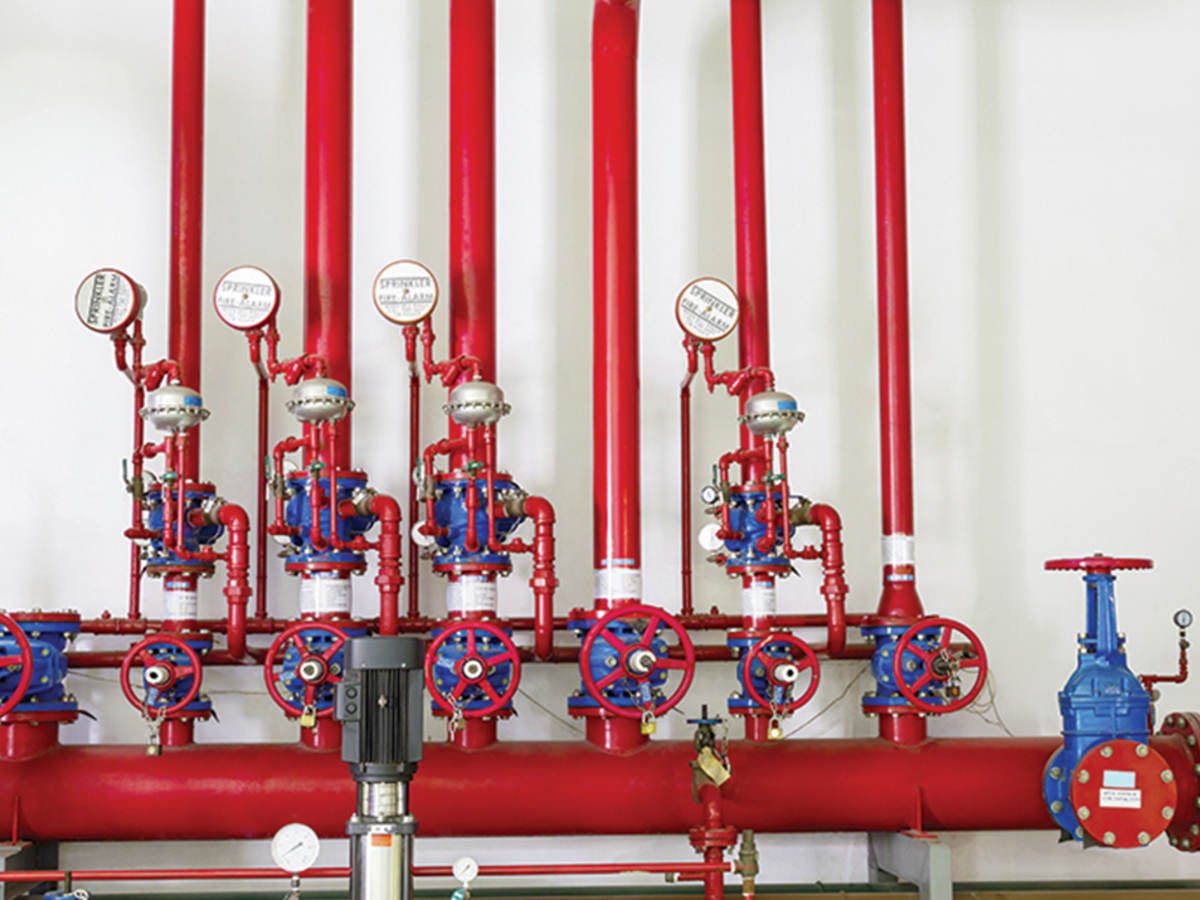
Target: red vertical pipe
616 406
187 202
899 598
327 194
750 191
473 187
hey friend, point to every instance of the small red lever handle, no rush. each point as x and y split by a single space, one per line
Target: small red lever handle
1098 564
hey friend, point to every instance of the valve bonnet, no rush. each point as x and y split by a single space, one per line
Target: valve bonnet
474 403
771 413
320 400
174 408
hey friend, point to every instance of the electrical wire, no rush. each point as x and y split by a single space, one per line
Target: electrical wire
983 707
553 715
832 703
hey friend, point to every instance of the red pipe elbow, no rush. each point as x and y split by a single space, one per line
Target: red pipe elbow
389 580
833 588
237 576
543 581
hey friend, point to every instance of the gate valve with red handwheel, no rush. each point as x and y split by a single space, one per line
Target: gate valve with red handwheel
1106 785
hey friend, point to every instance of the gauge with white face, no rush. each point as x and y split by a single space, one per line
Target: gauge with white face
709 537
708 309
107 300
294 847
465 869
405 292
246 298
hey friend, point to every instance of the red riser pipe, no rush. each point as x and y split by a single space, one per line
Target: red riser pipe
327 195
750 192
187 203
473 183
899 598
249 791
616 406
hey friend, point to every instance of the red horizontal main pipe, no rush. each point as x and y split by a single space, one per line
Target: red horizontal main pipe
249 791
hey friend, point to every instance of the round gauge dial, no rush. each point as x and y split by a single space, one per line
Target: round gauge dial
405 292
1183 618
294 847
465 869
709 537
108 300
246 298
708 309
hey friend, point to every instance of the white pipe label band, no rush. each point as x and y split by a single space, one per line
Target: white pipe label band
321 595
899 550
180 604
617 584
471 593
758 600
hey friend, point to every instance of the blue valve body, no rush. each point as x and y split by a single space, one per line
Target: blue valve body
450 514
157 698
318 641
454 649
1101 701
195 537
887 696
298 515
48 646
742 554
624 692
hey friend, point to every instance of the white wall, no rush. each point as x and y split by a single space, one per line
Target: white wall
1052 150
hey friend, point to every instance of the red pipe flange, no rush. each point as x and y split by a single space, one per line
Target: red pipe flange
941 665
628 662
23 657
1184 830
800 657
320 662
474 669
171 673
1124 793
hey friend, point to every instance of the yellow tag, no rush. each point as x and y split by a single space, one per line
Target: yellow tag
775 731
308 718
154 749
649 726
710 765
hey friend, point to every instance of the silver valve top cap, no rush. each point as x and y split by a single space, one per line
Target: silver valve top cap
771 413
174 408
320 400
475 403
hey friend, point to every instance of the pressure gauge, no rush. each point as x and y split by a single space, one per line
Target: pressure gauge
709 494
1183 619
108 300
708 309
405 292
294 847
465 870
708 537
246 298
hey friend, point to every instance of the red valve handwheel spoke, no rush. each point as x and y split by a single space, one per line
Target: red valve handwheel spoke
506 654
333 649
143 653
650 631
615 642
973 657
292 637
610 678
794 647
6 661
628 615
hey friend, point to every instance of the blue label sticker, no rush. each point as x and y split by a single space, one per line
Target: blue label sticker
335 390
787 404
1114 778
190 400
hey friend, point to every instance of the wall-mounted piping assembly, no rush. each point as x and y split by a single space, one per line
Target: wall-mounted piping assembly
636 659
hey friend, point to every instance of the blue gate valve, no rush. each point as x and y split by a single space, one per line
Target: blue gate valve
1103 700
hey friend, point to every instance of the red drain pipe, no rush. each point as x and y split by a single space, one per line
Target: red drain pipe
187 204
327 197
249 791
899 599
750 189
616 406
